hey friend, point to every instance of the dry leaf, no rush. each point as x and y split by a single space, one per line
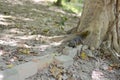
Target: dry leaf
83 55
24 51
114 66
56 72
110 68
10 65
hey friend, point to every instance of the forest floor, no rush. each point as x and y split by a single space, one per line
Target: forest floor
26 27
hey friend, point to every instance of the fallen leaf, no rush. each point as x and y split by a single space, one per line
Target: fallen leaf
114 66
56 71
83 55
10 66
24 51
110 68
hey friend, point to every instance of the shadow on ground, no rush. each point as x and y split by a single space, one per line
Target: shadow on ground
27 25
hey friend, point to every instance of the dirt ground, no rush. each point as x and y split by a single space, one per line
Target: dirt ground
24 22
25 29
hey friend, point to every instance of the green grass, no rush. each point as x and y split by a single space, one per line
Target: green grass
74 6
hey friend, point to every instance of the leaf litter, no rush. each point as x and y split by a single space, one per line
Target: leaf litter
25 27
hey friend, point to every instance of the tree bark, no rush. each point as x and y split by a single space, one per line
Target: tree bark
101 18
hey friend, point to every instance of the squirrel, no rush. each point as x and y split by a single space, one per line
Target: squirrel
78 39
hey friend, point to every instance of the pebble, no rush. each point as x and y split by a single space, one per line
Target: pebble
92 48
89 53
84 47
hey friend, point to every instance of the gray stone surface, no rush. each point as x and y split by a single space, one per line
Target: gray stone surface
10 74
27 69
19 72
66 60
85 47
44 61
72 51
89 53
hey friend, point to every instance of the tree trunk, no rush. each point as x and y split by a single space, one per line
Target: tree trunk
101 18
58 3
68 0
